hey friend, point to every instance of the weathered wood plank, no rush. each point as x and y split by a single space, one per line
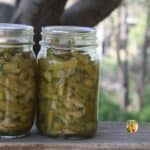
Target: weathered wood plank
110 136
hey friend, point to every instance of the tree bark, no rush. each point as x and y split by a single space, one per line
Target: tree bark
6 11
122 56
39 13
144 62
83 12
88 12
51 12
25 11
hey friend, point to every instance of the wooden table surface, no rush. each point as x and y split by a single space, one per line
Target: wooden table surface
110 136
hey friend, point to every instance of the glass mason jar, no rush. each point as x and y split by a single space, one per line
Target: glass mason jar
68 73
17 85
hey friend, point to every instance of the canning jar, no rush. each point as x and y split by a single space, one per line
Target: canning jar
68 73
17 81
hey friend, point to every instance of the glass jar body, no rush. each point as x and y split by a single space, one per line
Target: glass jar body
68 88
17 89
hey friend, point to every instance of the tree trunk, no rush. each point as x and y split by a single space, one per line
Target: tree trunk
48 14
144 62
88 12
51 12
6 10
122 56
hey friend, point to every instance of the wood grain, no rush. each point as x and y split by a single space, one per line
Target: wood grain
110 136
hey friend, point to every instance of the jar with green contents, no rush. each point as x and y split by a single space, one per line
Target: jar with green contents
17 80
68 74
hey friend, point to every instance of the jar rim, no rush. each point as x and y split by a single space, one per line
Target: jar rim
68 30
11 26
15 33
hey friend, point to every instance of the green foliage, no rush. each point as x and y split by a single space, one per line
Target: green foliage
145 114
109 68
109 110
137 31
147 95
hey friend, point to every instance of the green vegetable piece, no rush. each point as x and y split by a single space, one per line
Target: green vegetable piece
2 96
49 120
12 68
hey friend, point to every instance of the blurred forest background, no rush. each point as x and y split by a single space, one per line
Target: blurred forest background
124 37
125 69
